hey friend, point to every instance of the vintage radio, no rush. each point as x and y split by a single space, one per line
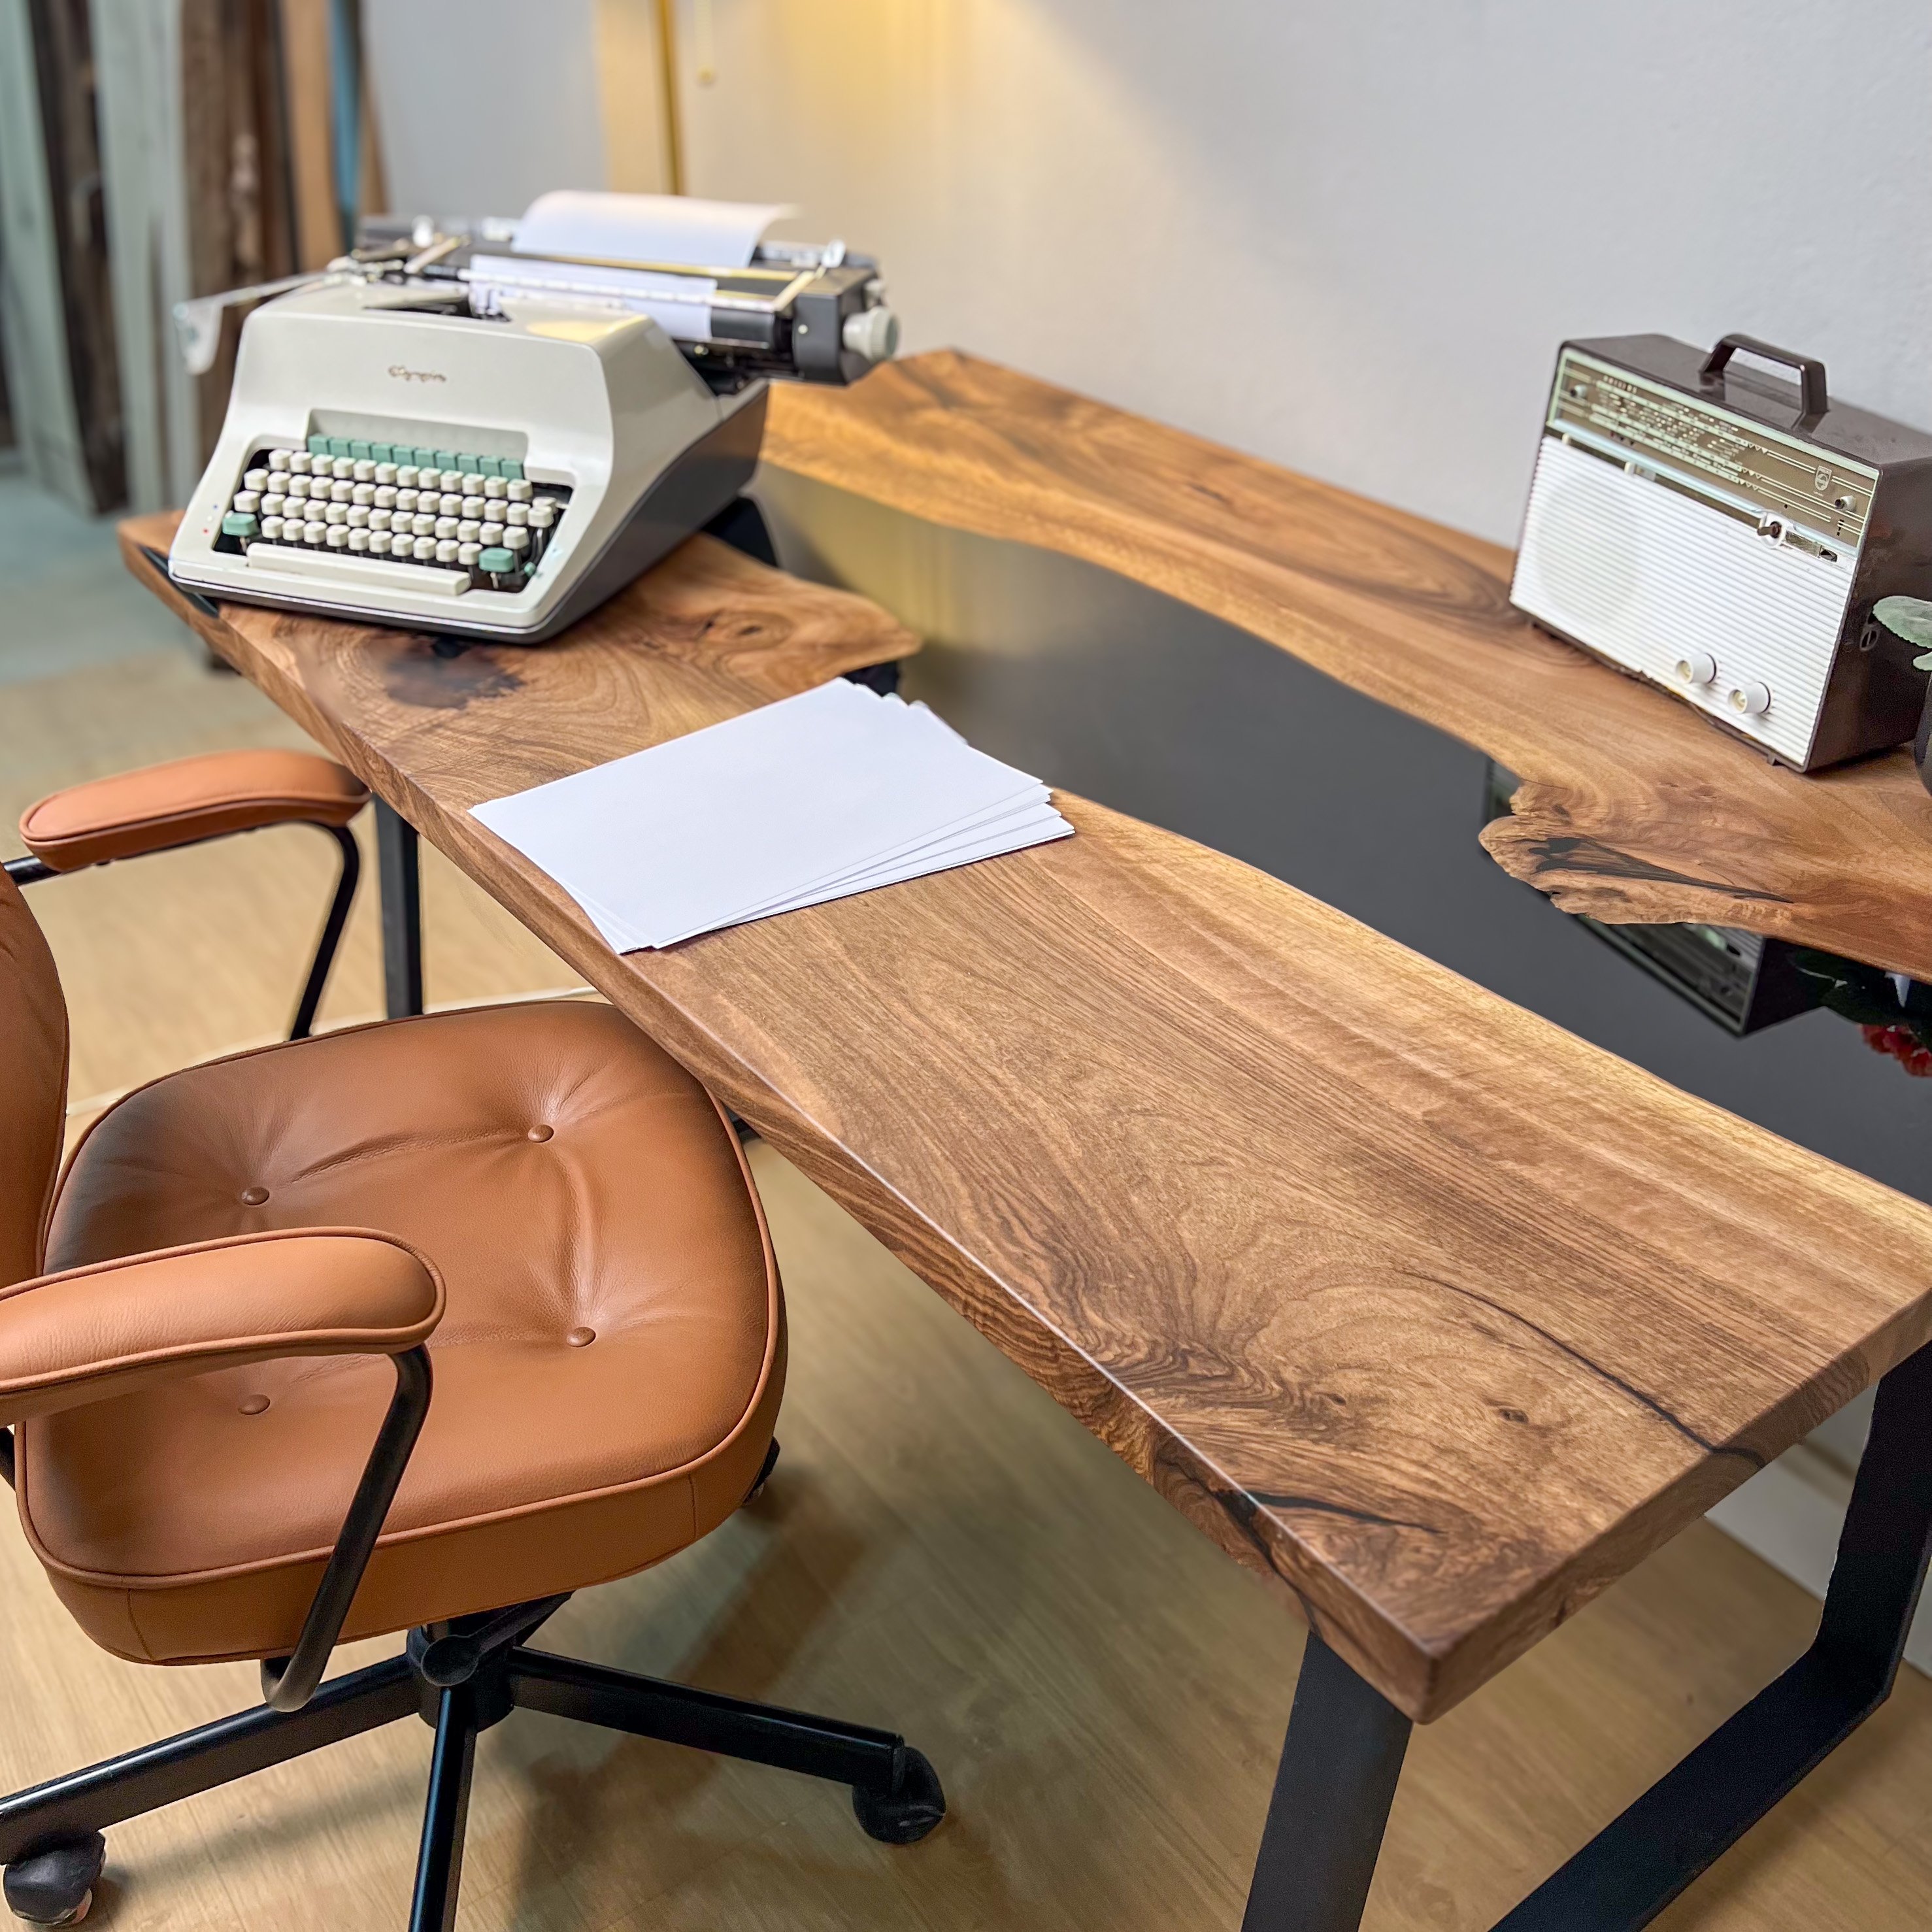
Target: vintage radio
1724 534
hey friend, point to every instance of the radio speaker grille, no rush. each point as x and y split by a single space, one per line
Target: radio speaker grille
1647 575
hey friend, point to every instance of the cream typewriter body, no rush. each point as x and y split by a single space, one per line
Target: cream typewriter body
496 477
435 435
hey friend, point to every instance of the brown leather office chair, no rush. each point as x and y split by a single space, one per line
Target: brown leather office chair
531 1210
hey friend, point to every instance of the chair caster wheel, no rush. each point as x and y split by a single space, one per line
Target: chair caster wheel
764 1474
56 1886
904 1817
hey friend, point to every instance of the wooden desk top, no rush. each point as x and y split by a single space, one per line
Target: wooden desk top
1421 1307
1632 807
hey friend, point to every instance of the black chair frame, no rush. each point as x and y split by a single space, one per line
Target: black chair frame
30 872
461 1678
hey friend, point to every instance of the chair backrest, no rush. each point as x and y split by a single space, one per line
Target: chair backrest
33 1084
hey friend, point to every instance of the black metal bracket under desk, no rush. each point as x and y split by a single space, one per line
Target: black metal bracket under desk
1345 1741
399 875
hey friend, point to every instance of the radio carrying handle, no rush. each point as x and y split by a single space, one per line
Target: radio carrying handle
1810 370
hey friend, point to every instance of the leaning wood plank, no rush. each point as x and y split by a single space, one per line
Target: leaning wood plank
1632 807
33 324
1421 1307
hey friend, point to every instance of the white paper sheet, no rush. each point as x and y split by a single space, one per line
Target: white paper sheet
745 814
982 828
677 228
1039 828
679 304
835 791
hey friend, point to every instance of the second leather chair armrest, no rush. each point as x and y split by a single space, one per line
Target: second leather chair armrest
91 1332
187 800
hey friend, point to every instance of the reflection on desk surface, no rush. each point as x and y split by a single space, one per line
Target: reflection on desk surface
1127 697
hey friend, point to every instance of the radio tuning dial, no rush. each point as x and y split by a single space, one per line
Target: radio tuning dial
1698 667
1752 699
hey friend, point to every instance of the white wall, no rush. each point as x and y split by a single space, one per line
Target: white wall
479 107
483 105
1349 237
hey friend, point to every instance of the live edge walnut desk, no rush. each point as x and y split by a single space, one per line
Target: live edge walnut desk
1440 1327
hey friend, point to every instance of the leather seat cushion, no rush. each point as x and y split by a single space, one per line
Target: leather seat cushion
606 1374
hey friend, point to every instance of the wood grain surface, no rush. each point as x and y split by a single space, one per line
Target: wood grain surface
1632 807
944 1551
1427 1310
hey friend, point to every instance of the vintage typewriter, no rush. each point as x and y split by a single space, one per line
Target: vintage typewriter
449 434
1724 534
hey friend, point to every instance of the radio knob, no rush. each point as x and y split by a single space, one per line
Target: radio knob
1752 700
1699 668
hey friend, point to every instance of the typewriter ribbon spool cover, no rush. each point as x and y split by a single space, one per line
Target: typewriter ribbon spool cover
1724 535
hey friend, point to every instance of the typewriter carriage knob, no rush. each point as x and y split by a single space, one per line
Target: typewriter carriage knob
873 333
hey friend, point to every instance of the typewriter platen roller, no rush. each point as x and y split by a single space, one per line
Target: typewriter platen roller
442 433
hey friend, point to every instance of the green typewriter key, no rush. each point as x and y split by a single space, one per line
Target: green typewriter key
382 452
497 563
507 468
235 524
338 446
318 445
362 452
444 459
488 466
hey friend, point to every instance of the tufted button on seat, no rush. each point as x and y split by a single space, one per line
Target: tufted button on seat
191 1518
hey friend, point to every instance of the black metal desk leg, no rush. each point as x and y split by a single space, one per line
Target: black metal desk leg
1640 1861
1338 1774
397 865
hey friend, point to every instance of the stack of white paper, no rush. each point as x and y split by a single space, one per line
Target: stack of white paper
832 792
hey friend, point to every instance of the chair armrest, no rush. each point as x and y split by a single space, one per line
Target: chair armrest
185 801
91 1332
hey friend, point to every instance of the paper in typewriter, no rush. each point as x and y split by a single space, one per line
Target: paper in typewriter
679 229
836 791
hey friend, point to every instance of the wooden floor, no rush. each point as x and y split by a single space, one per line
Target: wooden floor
942 1550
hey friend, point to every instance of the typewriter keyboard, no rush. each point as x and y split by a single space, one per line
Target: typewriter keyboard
475 521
